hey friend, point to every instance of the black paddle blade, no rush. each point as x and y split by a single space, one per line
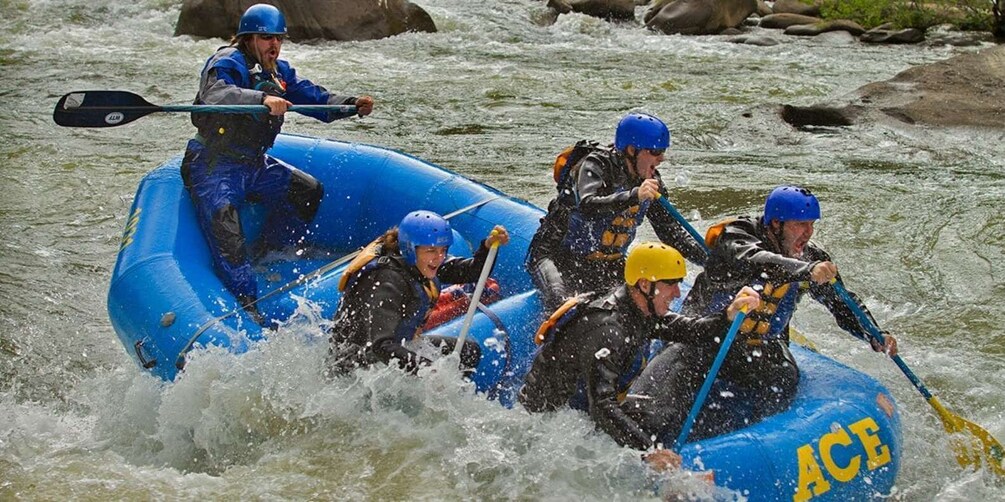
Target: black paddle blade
100 109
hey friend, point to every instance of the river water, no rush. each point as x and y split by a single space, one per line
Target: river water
912 217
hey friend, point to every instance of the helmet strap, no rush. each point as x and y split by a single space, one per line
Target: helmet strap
649 295
633 164
777 234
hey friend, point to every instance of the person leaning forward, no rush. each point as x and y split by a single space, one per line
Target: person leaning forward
598 344
390 289
581 243
773 253
226 164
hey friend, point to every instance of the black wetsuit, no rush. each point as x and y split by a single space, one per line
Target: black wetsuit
386 305
759 368
598 192
597 349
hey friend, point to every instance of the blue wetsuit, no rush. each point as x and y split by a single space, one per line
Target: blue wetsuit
226 164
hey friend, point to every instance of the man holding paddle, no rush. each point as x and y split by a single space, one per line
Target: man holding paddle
226 164
592 347
602 199
773 253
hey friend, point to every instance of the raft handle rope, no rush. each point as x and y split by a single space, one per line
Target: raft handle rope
144 362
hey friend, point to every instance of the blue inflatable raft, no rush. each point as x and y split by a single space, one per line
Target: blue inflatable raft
165 300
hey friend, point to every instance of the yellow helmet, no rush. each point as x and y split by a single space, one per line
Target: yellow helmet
654 261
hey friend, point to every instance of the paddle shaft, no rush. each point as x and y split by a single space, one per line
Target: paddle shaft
706 386
228 109
680 219
476 296
115 108
874 331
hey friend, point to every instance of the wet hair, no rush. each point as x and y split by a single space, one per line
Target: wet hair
389 242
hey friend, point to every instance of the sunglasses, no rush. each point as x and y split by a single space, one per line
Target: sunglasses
268 38
656 152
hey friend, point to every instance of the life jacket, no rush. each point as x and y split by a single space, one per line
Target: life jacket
427 291
602 237
778 301
455 299
606 236
561 316
549 236
241 135
567 162
366 255
713 233
768 322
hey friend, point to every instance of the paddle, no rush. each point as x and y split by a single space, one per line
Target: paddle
115 108
680 219
477 295
706 386
982 446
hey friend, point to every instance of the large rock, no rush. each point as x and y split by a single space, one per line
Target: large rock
965 90
309 19
783 21
698 17
615 10
758 40
885 36
812 30
795 7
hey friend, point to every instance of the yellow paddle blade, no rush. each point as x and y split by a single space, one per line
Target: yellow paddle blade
800 339
981 448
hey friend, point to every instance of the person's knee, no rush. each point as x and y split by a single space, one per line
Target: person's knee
549 282
305 194
532 399
655 413
536 395
226 231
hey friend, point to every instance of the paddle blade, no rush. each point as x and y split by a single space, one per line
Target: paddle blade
796 337
100 109
981 448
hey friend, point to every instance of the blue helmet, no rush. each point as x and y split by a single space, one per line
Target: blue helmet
422 228
791 203
642 130
262 19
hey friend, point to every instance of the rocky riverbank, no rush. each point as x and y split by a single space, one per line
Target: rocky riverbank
966 90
